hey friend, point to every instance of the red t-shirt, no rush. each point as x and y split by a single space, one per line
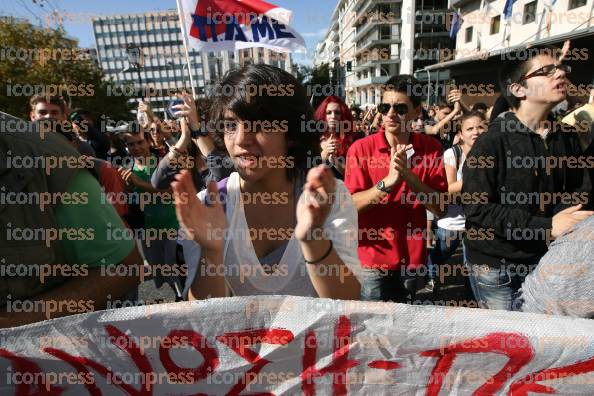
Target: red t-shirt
392 232
112 184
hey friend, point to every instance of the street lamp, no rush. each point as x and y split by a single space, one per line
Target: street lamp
135 61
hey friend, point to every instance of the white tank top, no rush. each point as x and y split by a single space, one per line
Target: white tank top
244 273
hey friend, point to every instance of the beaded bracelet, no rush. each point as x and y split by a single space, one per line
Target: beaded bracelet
323 257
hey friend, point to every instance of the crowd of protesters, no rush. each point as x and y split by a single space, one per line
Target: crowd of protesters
229 191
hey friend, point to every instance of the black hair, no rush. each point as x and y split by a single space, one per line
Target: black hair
471 114
82 112
516 65
479 106
408 85
501 105
235 93
357 110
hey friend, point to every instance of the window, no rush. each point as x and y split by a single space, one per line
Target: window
468 36
495 23
385 33
529 12
576 3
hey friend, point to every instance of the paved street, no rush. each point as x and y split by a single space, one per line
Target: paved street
452 293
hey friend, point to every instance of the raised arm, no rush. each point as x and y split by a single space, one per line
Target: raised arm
205 225
321 248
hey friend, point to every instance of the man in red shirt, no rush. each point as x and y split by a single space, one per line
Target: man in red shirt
394 176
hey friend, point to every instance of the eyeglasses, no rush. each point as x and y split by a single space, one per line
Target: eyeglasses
547 71
400 108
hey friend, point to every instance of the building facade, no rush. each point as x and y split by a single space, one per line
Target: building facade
155 39
486 37
369 41
486 29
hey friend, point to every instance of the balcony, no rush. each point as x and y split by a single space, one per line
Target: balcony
363 6
459 3
371 43
368 27
422 35
374 63
379 80
433 17
422 54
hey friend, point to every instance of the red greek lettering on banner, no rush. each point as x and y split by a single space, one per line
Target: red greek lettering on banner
240 343
200 343
515 346
339 365
123 342
25 366
528 384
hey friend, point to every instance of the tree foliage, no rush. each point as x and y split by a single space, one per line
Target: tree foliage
47 61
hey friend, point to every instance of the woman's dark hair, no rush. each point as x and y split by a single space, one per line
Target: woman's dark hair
357 111
266 93
204 106
480 106
471 114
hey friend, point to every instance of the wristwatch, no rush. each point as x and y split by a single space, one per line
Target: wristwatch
382 186
198 133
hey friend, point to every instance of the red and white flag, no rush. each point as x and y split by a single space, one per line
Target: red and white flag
228 25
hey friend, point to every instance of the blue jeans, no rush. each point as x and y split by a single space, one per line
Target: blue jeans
447 241
497 288
390 285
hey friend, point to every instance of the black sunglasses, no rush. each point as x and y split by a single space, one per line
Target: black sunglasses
547 71
400 108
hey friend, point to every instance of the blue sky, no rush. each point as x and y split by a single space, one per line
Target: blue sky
310 17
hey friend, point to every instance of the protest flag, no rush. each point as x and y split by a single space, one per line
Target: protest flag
507 10
456 24
229 25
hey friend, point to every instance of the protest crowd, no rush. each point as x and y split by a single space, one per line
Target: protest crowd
240 195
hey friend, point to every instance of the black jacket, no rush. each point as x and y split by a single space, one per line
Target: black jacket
517 197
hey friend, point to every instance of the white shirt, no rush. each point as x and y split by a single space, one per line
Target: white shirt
243 272
454 219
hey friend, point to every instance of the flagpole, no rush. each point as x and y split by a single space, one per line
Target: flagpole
182 23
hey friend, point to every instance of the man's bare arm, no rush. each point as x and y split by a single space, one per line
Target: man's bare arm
79 295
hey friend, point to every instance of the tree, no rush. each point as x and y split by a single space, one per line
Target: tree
41 60
302 73
319 83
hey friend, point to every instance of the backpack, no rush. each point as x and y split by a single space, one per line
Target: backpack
457 154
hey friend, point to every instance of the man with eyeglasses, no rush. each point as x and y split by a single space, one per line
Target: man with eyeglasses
394 176
535 188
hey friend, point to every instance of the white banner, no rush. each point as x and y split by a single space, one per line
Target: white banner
294 345
229 25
